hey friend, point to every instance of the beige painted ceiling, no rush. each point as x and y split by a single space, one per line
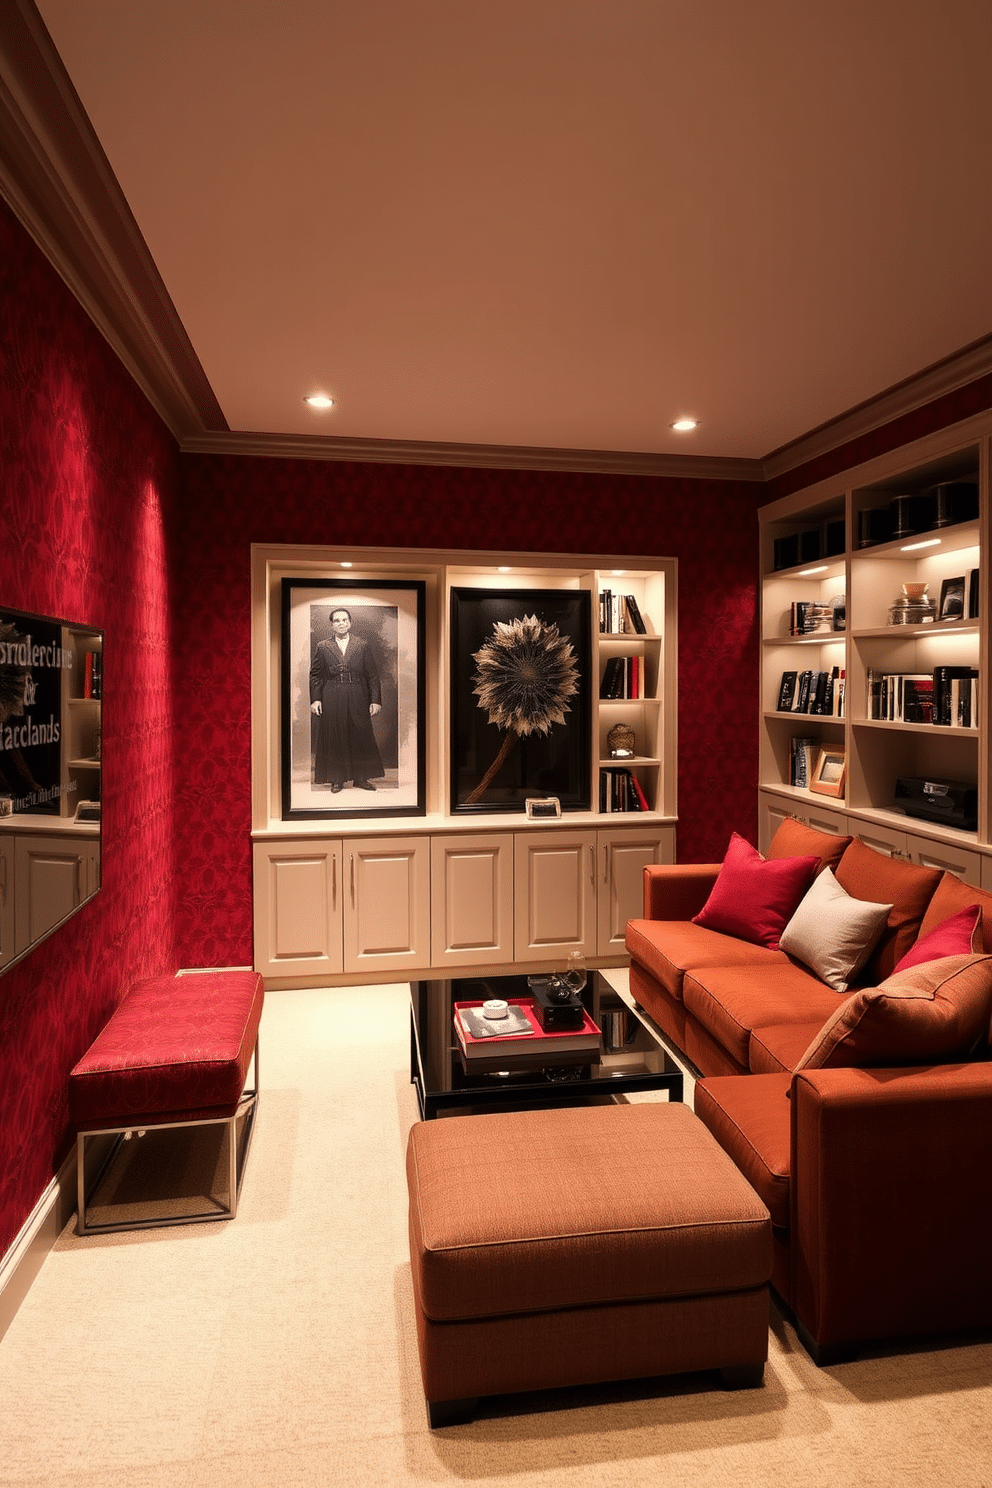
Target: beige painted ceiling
552 222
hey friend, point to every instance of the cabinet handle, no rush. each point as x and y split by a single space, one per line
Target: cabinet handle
334 880
592 862
606 863
352 856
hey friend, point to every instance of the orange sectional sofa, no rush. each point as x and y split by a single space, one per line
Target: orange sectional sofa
877 1171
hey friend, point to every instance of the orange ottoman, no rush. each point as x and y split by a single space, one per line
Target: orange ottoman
567 1247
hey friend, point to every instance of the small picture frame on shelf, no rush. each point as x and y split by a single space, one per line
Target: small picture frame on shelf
952 599
830 771
539 808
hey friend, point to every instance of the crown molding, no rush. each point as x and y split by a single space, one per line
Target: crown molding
946 376
477 456
59 183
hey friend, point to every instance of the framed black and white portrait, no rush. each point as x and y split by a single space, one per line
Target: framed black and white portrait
352 698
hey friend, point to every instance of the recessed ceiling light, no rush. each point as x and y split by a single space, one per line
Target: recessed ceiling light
505 568
319 401
685 425
345 565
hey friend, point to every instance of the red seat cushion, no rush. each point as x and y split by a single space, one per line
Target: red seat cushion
730 1002
750 1118
176 1046
670 948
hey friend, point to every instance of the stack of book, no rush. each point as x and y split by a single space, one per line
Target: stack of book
802 758
623 677
810 617
620 790
93 674
619 614
947 696
820 693
519 1039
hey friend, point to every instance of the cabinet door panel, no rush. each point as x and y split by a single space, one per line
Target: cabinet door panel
387 904
554 894
472 900
967 865
298 909
52 874
623 857
885 840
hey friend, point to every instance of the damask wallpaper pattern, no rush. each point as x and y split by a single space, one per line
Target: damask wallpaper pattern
88 478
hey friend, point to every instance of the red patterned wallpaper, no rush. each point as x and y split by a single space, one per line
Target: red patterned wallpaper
87 477
230 503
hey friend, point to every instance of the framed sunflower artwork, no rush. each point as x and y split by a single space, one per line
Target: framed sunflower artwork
520 698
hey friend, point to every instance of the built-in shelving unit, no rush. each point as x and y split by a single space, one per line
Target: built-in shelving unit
367 898
871 577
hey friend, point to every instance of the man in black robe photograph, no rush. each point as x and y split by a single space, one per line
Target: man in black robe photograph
345 695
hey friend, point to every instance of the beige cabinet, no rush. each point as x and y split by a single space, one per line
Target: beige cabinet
54 875
472 900
387 904
623 857
774 809
323 907
554 892
929 852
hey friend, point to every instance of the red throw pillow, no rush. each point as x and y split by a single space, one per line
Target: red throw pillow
959 935
754 898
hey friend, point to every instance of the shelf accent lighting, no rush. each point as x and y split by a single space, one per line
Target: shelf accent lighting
319 401
804 573
685 425
931 542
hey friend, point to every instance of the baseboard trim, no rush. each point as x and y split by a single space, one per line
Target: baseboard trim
41 1229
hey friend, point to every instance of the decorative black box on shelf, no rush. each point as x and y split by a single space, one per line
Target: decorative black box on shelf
555 1016
874 526
834 538
954 501
786 551
951 803
911 514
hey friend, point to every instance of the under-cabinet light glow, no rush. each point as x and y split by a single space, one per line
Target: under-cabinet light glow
685 425
319 401
931 542
346 565
804 573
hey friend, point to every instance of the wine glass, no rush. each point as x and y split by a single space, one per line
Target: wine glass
575 971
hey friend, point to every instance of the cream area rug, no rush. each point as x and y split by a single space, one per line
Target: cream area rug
279 1349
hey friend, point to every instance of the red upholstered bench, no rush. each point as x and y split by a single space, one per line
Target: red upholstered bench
176 1053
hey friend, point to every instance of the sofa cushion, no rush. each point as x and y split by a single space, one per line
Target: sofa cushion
832 933
670 948
931 1013
867 874
794 839
778 1048
751 1121
753 898
959 935
952 894
730 1001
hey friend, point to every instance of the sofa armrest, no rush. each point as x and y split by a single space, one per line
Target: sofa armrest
677 891
891 1201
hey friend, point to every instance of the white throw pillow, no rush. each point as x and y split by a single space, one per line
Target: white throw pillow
832 933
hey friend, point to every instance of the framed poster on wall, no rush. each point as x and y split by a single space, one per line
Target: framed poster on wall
520 698
352 698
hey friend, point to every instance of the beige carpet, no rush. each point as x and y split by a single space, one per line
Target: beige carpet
280 1350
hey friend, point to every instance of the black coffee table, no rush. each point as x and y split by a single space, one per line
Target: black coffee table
632 1059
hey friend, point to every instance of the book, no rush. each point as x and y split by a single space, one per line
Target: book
636 618
971 593
541 1042
803 683
840 683
803 753
478 1026
786 692
943 676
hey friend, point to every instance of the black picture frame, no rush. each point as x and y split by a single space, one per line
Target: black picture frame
388 618
557 763
952 599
